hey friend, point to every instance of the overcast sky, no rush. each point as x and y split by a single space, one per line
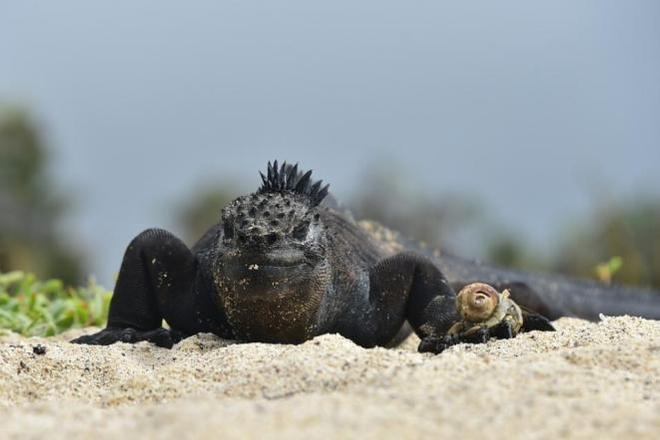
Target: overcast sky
532 107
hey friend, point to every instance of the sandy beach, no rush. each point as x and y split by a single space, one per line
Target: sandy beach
586 380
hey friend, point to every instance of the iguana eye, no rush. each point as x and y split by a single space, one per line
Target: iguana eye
228 230
300 231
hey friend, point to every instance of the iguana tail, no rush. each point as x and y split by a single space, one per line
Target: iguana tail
555 295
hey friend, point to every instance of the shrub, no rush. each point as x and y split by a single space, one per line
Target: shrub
32 307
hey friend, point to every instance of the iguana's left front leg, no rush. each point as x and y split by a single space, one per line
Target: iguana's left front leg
411 286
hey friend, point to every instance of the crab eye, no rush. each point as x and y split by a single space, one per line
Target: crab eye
300 231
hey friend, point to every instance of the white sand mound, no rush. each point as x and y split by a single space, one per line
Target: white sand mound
586 380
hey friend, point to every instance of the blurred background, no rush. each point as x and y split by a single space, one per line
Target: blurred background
524 133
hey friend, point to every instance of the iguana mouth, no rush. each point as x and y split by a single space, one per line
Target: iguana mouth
272 258
275 263
283 258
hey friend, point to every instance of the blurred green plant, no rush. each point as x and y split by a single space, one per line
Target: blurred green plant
32 307
606 271
31 208
507 249
627 231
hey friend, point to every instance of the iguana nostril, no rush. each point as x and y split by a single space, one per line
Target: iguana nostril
241 237
272 238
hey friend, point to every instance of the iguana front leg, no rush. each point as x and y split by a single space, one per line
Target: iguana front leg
409 286
155 282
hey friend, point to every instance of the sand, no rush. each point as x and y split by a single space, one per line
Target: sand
587 380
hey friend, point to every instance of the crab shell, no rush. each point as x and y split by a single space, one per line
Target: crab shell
476 302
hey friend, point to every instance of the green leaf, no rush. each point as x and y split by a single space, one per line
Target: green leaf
43 308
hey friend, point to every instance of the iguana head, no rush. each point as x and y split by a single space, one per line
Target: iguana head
272 263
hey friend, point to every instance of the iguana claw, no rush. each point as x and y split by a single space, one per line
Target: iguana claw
161 337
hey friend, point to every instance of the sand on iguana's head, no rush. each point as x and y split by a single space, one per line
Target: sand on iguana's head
586 380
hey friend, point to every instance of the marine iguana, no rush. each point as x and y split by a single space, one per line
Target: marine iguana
287 263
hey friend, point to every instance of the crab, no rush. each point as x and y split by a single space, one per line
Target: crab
484 313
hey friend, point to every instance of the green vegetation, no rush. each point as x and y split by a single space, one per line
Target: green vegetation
628 229
31 205
605 271
44 308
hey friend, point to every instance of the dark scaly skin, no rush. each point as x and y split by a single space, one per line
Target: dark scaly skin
287 263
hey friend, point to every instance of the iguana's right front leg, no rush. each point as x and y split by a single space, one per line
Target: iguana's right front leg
155 282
